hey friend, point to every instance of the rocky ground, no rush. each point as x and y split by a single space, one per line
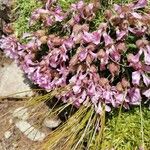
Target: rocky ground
21 127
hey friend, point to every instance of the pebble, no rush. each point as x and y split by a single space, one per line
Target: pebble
29 131
7 134
21 113
52 122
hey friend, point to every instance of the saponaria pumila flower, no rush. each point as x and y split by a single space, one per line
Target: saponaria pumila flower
109 65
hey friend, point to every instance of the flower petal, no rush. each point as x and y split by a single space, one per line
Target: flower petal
147 93
136 77
146 79
140 4
135 96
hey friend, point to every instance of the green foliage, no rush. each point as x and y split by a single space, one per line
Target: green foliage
22 10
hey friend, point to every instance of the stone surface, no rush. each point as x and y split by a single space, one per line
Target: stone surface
8 3
12 82
7 134
21 113
28 130
52 122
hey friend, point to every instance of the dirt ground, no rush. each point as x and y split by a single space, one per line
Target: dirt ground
17 140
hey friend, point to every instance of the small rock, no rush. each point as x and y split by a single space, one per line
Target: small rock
12 82
28 130
7 134
21 113
52 122
10 121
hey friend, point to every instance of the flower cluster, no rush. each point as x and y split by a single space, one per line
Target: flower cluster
109 65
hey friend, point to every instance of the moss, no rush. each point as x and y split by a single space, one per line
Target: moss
128 132
23 9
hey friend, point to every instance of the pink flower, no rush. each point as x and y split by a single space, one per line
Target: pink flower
136 75
147 55
140 4
49 3
92 37
121 34
135 96
76 89
107 39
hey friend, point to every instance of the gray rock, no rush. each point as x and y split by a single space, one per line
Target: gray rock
7 134
29 131
12 82
52 122
21 113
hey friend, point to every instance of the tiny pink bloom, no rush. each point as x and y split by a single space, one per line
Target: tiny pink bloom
140 4
107 39
136 15
107 108
49 3
135 96
76 89
121 34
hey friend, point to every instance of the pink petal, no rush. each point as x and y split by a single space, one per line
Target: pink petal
107 108
136 77
146 79
147 93
121 34
76 89
96 38
135 96
83 55
138 31
146 57
133 58
87 37
136 15
107 39
117 8
49 3
140 4
99 108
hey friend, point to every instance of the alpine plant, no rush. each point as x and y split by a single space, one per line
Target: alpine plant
107 66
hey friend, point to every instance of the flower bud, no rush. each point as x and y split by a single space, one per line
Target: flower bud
40 33
121 47
71 22
125 83
101 53
119 87
43 39
57 41
113 68
103 81
108 14
139 43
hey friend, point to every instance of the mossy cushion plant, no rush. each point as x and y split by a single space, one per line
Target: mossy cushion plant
94 69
